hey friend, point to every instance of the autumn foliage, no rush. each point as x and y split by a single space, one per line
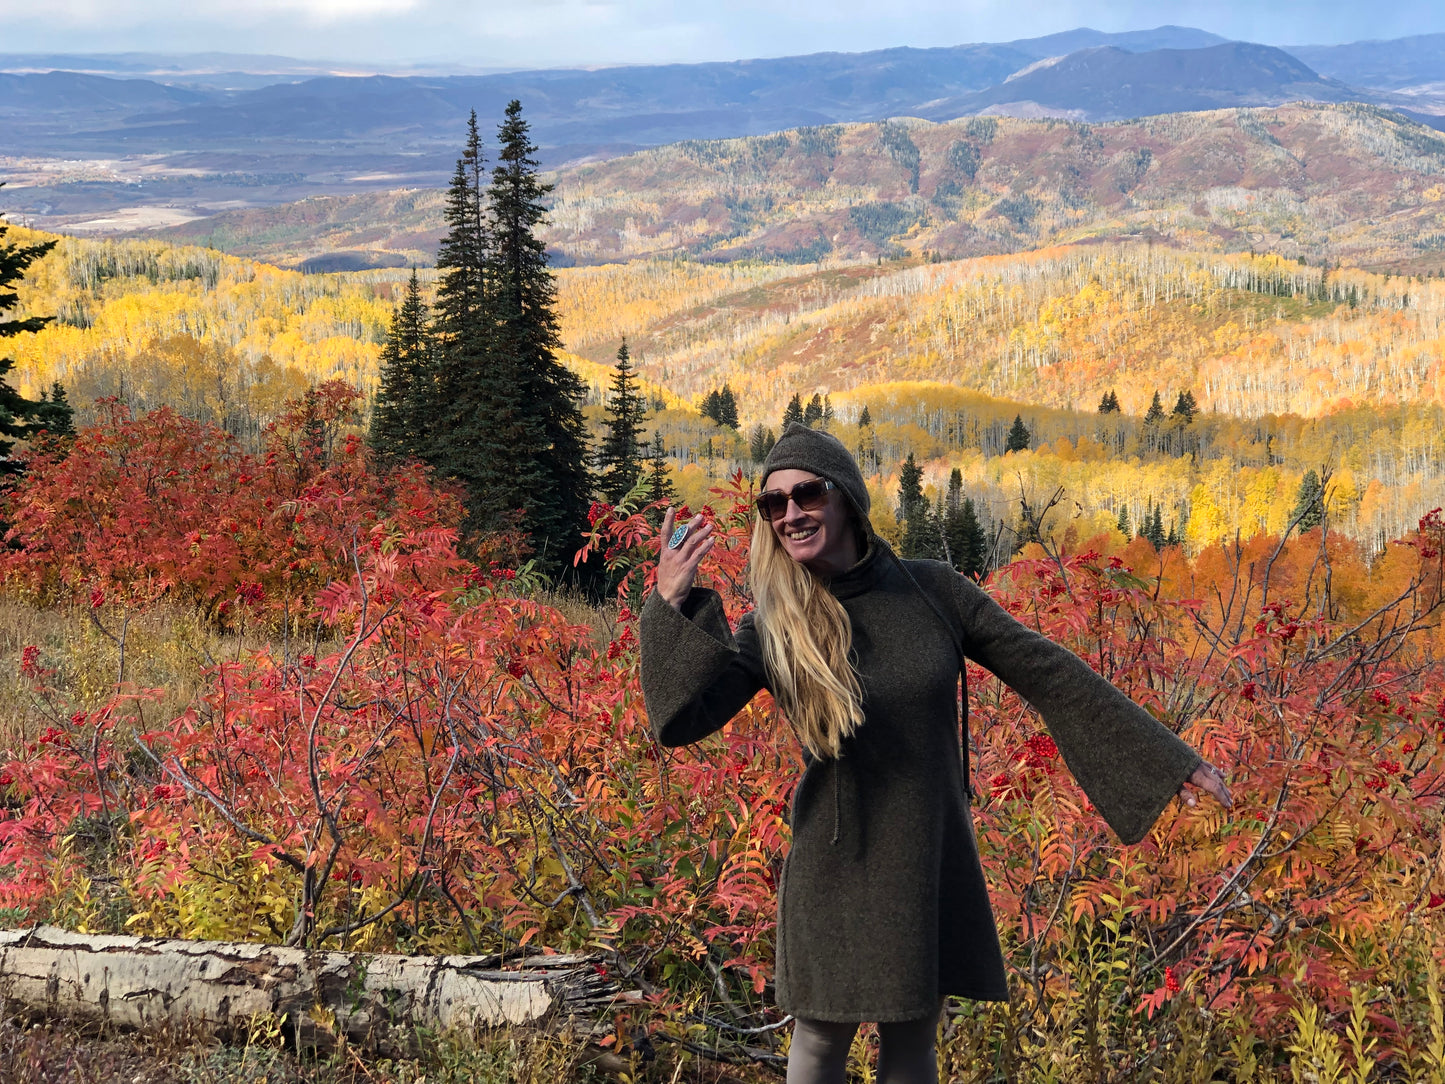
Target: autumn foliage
427 756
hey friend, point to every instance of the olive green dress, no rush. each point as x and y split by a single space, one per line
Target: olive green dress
883 906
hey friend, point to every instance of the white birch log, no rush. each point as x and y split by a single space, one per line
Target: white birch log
376 1001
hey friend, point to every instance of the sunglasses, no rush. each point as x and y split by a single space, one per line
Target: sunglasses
808 496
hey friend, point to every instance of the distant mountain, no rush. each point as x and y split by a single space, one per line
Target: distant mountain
1349 183
1108 83
1390 65
1133 41
160 142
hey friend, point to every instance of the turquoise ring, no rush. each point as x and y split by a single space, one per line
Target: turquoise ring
678 537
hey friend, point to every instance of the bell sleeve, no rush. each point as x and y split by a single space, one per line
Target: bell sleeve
696 673
1128 763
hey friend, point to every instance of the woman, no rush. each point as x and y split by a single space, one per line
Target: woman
882 909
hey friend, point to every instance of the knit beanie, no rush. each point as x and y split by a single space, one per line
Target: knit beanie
801 448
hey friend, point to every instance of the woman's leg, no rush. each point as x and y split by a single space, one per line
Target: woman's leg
818 1053
905 1051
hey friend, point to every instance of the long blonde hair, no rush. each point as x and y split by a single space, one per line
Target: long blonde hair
806 639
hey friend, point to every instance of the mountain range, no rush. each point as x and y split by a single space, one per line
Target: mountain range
178 138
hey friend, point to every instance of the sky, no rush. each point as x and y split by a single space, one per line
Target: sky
548 33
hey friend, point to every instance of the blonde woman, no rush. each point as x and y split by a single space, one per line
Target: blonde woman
882 909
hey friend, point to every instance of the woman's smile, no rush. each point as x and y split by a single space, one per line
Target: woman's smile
821 540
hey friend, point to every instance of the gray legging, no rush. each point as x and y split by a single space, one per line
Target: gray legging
819 1052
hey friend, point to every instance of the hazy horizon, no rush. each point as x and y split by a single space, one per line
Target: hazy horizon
592 33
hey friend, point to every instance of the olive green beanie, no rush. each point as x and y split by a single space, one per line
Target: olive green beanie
801 448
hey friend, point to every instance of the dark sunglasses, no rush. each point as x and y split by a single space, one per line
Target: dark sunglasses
809 496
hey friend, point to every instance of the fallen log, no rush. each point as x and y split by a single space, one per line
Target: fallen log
375 1001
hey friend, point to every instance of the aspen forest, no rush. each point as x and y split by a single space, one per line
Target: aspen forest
264 681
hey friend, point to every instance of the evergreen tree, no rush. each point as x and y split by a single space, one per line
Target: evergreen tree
1154 530
955 523
758 446
1309 504
1155 414
975 552
865 419
1123 524
921 538
399 421
727 408
53 414
827 418
15 409
793 413
659 477
551 459
813 412
710 406
1109 404
1018 436
910 487
476 430
620 458
1185 407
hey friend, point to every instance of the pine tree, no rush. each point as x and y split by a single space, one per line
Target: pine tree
1109 404
53 414
551 459
975 553
1018 436
955 541
620 458
400 419
15 409
710 406
828 415
1154 530
1123 524
727 408
813 412
865 419
910 487
476 430
1155 414
1309 505
793 413
921 537
659 478
1185 407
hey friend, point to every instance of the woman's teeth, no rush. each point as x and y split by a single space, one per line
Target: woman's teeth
798 536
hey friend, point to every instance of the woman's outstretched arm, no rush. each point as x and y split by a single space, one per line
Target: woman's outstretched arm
696 673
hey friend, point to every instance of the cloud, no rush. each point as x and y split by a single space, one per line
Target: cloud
219 13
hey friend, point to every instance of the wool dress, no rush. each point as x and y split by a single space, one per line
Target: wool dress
882 905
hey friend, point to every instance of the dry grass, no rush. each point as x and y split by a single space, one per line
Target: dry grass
166 650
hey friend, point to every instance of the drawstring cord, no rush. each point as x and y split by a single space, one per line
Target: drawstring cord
957 645
837 804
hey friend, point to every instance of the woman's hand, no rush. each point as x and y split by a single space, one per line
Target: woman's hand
676 568
1208 778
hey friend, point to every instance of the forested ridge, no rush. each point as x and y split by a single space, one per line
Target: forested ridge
1293 367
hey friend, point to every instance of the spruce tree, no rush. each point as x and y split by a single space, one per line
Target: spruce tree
1155 414
400 421
793 413
955 543
551 482
53 414
921 538
475 429
813 412
1309 505
975 553
828 415
1123 525
1109 404
15 409
659 478
865 419
711 405
620 459
1185 407
727 408
1018 436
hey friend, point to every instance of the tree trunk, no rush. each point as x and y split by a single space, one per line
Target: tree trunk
378 1002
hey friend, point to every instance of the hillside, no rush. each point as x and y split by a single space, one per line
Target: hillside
1346 184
